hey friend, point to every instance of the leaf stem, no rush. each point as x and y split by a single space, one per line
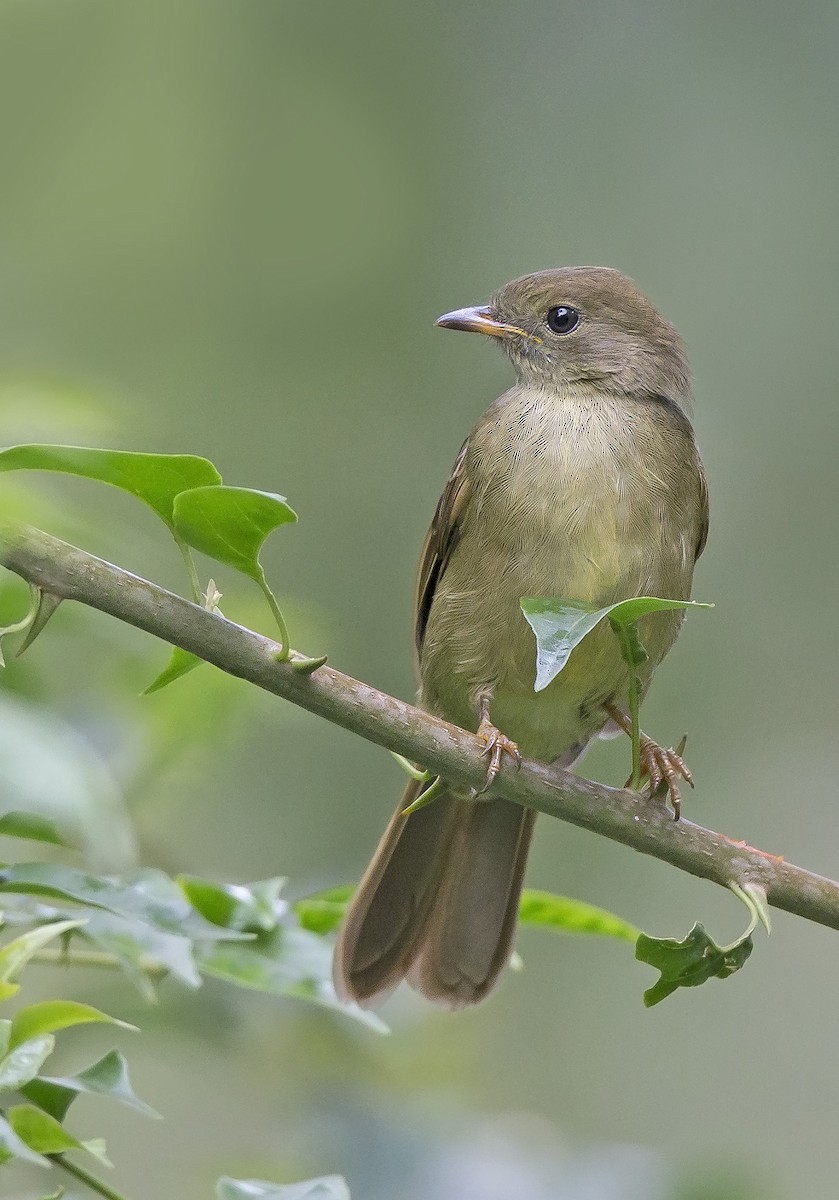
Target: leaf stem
285 647
191 569
633 654
635 718
408 767
95 1185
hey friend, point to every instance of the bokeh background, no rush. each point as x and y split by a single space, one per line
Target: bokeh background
227 228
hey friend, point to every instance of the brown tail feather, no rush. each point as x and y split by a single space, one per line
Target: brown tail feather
438 903
471 927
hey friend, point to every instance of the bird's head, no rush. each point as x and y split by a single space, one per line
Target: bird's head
576 328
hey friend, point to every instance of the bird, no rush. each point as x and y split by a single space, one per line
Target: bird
582 481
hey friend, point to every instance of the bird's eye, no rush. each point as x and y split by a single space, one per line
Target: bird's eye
562 319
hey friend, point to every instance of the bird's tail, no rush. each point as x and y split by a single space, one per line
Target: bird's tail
438 903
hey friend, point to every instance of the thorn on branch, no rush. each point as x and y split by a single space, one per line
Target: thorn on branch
306 666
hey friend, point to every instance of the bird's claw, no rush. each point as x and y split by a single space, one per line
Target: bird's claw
664 768
497 745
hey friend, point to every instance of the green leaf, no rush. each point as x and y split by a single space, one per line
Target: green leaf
285 962
181 662
572 916
107 1077
251 908
13 1146
690 962
16 954
60 883
156 479
148 895
323 912
230 524
40 1131
43 1134
24 1062
328 1187
51 1015
52 776
32 827
560 625
142 950
53 1098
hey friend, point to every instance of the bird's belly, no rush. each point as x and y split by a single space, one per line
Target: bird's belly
478 641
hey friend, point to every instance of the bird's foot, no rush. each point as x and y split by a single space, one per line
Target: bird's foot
664 768
497 745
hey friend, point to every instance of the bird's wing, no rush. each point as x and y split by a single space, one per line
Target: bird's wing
704 514
682 421
440 541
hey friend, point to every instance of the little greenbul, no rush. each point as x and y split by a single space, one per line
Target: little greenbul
583 481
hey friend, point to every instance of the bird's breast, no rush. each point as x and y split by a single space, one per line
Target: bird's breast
572 494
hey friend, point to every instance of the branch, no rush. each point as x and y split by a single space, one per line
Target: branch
72 574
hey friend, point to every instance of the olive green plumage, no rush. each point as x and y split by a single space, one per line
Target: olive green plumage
582 481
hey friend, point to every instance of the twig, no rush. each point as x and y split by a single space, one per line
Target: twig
444 749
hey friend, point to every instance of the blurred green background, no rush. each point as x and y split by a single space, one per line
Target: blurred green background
227 228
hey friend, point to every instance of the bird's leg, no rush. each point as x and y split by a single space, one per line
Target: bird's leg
497 745
659 765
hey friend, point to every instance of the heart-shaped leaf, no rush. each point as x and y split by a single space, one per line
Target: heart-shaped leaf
156 479
560 625
230 524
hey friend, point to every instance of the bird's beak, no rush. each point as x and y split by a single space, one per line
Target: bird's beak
479 320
